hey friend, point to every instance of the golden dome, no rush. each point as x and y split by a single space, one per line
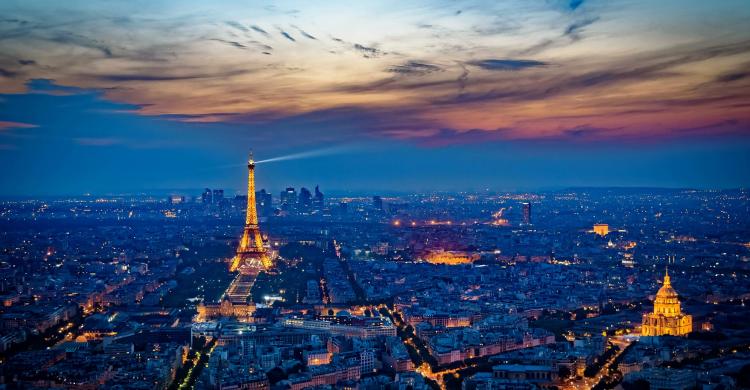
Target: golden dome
667 318
666 290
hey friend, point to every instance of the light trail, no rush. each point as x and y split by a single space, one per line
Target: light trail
308 154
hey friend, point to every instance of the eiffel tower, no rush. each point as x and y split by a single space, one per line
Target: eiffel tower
251 257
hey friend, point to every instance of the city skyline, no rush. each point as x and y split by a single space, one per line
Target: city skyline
375 195
508 95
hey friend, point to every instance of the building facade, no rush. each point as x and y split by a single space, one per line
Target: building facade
667 318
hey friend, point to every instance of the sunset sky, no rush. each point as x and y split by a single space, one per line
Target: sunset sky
127 96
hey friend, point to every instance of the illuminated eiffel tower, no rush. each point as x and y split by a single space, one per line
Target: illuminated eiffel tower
251 257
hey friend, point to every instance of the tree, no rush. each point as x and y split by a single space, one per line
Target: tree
564 372
640 384
276 375
743 377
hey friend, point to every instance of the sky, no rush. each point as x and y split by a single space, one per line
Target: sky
111 96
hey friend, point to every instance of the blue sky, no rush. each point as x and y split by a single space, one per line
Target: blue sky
102 97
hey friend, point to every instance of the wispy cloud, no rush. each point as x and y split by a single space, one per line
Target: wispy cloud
287 36
151 76
7 73
260 30
367 51
414 68
305 34
506 64
574 29
496 65
237 25
4 125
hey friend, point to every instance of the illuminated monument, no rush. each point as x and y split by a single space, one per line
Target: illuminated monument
667 318
251 257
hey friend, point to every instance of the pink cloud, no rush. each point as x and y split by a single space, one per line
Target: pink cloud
15 125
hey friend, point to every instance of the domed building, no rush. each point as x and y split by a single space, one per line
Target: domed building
667 318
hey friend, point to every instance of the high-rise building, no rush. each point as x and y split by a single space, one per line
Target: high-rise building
264 200
218 196
526 213
176 199
206 197
667 318
319 199
288 198
377 202
305 199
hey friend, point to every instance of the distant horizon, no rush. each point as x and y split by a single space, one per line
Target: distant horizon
230 192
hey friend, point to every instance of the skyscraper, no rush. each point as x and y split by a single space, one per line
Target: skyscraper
206 197
264 200
218 196
319 199
305 199
288 199
377 202
526 213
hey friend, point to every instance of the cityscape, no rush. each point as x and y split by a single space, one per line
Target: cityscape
173 218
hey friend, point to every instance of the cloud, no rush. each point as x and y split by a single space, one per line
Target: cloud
4 125
27 62
305 34
463 79
7 73
287 36
230 43
587 132
414 68
368 52
506 64
648 66
726 126
574 4
451 73
574 29
731 77
260 30
571 33
262 46
69 38
237 25
449 137
158 76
